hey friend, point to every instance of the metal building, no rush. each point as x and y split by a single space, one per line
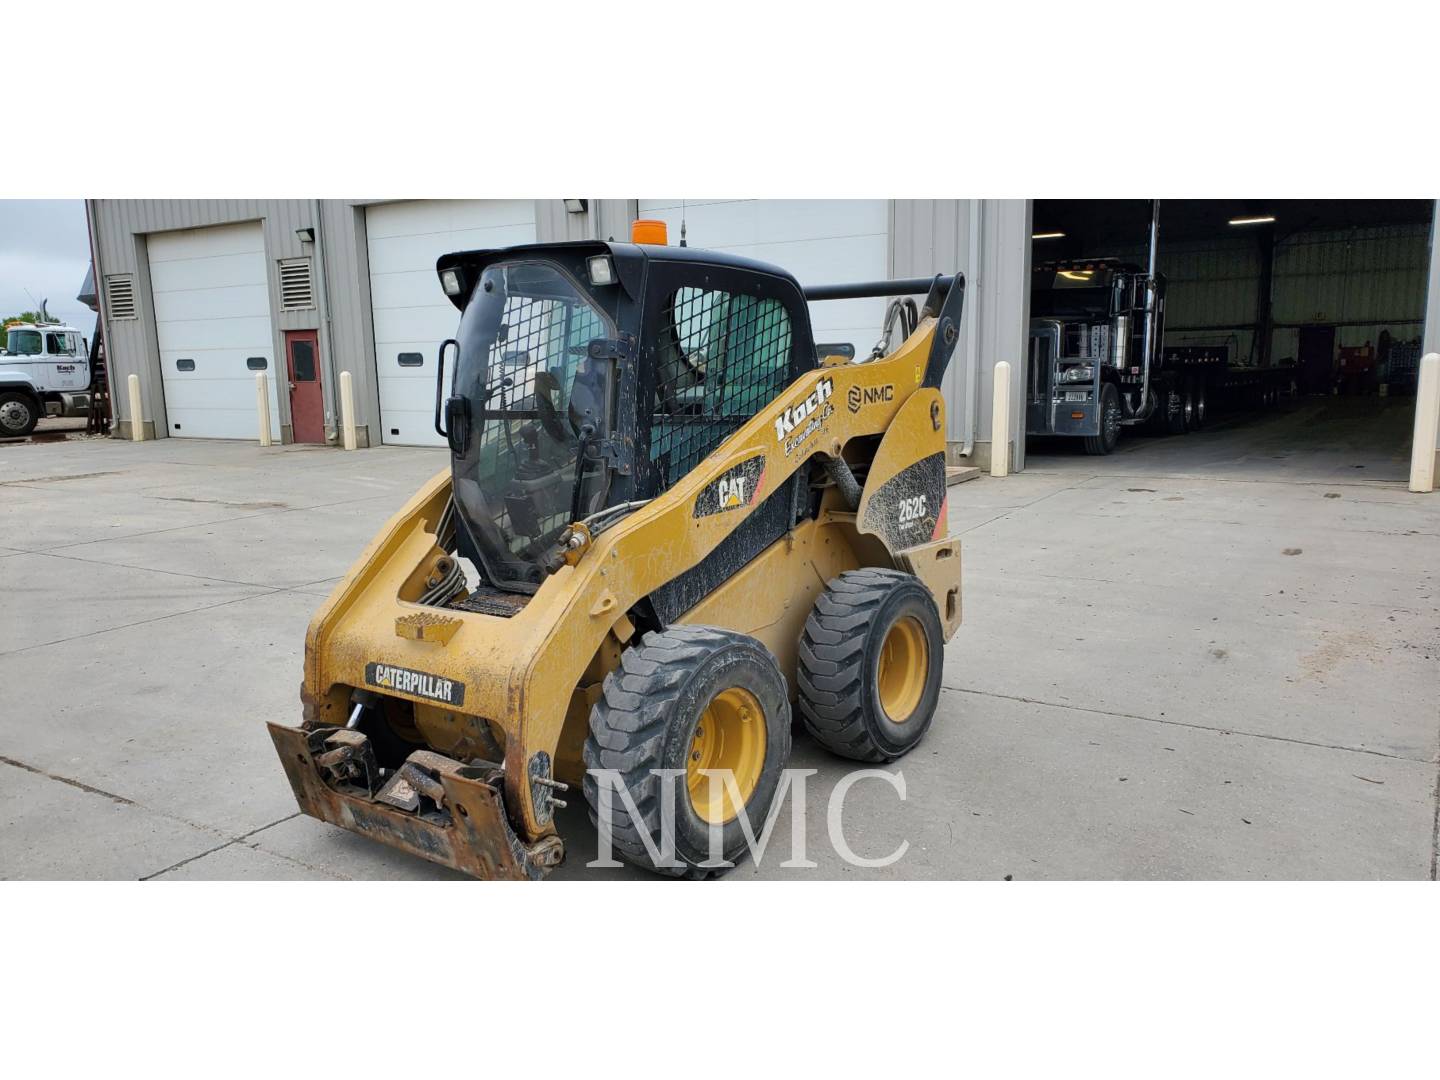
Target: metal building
199 295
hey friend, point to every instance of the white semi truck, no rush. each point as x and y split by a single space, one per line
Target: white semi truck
44 371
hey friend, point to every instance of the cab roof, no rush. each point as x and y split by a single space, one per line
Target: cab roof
630 261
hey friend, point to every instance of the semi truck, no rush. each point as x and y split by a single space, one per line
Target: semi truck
44 371
1095 330
1098 363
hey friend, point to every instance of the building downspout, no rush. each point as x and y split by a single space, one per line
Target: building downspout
972 342
107 342
326 336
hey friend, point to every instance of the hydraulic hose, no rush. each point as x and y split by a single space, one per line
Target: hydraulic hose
844 479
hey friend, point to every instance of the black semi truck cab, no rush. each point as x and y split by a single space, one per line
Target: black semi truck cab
1095 349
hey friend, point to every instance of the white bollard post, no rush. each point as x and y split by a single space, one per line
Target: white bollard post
1427 423
262 405
347 410
1000 422
137 418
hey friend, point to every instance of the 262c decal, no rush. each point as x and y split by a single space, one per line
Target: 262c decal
912 509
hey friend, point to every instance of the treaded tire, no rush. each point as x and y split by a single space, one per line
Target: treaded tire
645 720
18 401
1109 437
1202 405
1174 404
839 698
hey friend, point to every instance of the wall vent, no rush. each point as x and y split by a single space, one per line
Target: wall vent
120 295
296 292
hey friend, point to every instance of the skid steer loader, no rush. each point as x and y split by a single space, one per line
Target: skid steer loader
667 518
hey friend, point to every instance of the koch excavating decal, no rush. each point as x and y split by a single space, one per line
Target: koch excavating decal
735 487
795 426
415 683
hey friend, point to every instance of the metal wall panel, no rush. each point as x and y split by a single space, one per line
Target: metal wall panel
1372 276
409 311
1432 294
819 241
120 229
924 236
932 236
603 219
339 268
988 240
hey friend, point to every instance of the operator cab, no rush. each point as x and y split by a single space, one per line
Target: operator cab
45 341
587 376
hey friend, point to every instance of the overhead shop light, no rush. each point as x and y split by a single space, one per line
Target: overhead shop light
1254 219
1047 236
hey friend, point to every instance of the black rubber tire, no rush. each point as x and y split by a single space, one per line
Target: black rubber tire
1202 404
839 696
31 407
1155 422
1174 410
645 720
1105 442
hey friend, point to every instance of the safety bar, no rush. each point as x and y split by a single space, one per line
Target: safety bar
857 290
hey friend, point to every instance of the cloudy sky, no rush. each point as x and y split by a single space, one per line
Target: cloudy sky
44 253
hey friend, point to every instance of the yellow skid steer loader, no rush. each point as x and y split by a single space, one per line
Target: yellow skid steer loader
669 516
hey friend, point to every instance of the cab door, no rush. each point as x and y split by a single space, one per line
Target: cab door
66 365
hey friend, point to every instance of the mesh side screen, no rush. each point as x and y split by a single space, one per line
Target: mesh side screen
722 358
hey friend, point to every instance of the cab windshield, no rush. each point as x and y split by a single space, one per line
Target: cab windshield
535 405
23 343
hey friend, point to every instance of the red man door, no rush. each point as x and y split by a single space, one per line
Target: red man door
307 402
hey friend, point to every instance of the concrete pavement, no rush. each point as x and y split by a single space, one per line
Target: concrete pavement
1183 661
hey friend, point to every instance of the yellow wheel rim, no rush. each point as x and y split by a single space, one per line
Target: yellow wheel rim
730 736
904 665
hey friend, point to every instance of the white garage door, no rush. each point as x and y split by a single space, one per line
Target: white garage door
212 316
820 241
411 314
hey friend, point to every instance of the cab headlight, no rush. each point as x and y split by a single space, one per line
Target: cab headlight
602 270
1078 374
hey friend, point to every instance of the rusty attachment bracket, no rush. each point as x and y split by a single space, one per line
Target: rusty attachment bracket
345 757
466 827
